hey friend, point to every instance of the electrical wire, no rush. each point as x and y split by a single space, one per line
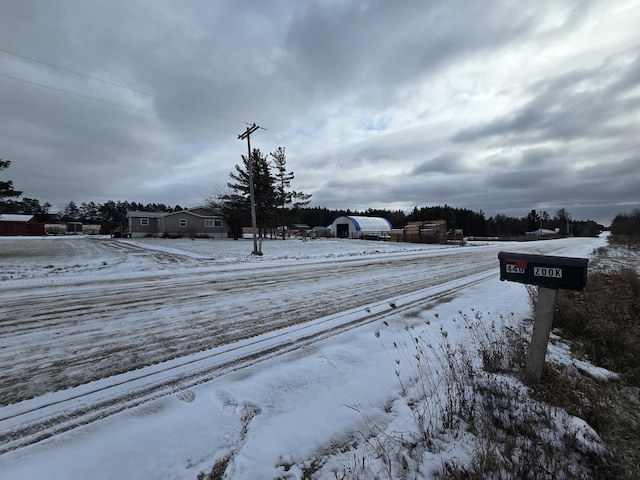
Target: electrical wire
142 92
109 102
151 95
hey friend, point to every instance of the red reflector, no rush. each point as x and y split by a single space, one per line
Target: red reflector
518 263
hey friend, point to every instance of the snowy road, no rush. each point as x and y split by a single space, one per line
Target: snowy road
82 345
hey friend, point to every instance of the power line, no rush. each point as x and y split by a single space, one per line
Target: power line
109 102
142 92
151 95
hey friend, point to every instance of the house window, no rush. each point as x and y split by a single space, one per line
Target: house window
217 223
144 221
212 223
183 222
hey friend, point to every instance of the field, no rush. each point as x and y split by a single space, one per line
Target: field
166 357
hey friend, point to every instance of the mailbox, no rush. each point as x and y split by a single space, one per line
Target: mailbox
566 273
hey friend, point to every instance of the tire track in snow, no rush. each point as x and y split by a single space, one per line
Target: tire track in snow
41 418
127 341
107 328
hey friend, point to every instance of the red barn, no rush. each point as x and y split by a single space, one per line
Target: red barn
14 224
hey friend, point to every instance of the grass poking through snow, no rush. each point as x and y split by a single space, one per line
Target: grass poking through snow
573 425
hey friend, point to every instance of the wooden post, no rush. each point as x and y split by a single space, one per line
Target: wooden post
540 336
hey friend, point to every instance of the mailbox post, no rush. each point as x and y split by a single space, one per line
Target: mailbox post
549 274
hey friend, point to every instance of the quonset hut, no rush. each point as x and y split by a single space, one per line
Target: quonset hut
360 227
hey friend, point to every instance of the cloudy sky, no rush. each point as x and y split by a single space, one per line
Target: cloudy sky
501 106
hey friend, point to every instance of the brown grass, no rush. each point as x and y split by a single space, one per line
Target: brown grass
603 325
532 432
603 322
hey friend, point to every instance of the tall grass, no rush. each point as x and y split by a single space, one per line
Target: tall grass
603 325
573 425
517 436
453 392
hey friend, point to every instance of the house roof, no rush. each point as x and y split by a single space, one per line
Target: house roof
542 232
136 214
365 224
189 211
192 211
14 217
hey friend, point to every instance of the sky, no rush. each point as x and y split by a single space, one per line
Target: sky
496 106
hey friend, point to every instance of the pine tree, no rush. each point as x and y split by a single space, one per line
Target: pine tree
263 188
533 220
71 211
285 198
6 188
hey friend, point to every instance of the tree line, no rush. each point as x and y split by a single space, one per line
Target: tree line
86 212
472 223
278 205
626 227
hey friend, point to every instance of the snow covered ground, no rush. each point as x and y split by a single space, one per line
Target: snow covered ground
158 359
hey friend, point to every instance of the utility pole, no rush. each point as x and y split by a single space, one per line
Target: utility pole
242 136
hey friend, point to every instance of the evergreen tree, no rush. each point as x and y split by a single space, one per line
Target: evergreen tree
533 221
263 189
234 210
107 211
31 206
286 199
6 188
71 211
89 212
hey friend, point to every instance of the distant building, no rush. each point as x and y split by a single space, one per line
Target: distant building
196 222
14 224
319 231
73 228
542 232
353 226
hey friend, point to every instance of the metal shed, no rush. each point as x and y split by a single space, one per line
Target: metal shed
353 226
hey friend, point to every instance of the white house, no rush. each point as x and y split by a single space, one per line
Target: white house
354 226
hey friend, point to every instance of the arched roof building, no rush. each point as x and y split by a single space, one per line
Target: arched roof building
354 226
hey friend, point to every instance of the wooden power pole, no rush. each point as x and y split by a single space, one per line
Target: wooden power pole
242 136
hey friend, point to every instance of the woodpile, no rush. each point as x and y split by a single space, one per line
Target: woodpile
432 231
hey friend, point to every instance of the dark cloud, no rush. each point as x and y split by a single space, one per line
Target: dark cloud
522 180
578 104
537 156
371 51
445 163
